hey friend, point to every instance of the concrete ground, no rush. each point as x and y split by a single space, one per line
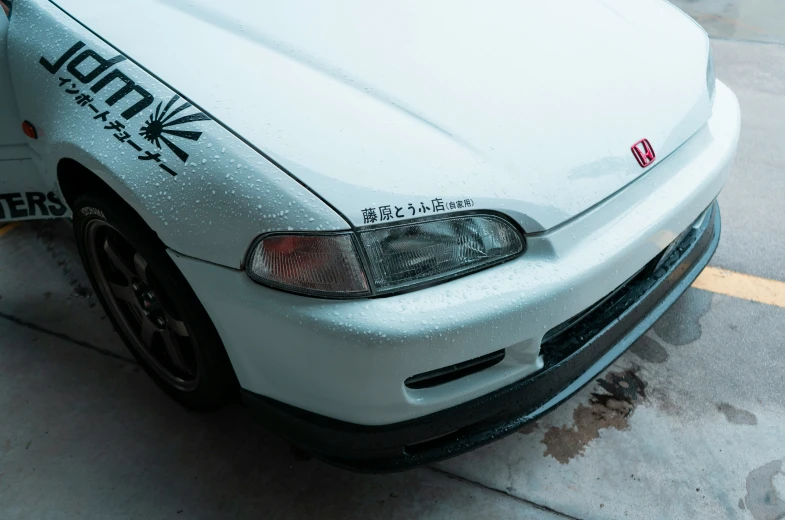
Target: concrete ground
687 425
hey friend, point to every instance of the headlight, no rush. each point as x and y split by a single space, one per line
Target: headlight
396 258
426 252
711 79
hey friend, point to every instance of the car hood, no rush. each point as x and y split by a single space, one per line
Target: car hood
413 108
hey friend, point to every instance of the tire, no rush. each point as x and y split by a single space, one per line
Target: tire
150 303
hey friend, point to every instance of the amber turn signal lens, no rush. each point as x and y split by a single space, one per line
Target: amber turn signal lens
317 265
29 130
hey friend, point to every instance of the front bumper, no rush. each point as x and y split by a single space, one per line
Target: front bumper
350 361
608 330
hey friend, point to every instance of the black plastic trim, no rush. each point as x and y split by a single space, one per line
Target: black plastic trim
453 431
450 373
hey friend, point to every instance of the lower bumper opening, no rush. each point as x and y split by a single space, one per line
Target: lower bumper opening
444 375
431 444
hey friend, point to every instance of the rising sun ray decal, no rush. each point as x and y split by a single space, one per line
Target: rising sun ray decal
160 122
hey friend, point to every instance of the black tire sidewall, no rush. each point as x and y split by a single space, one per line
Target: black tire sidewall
217 382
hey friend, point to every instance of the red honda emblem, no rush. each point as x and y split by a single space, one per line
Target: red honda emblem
643 152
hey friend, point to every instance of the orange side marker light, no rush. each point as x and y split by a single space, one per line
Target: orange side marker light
29 130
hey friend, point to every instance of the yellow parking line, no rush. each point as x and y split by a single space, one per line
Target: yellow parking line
8 227
763 290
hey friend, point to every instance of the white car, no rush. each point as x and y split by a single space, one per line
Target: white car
399 231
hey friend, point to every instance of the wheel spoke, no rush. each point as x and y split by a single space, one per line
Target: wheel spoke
174 350
136 311
140 264
116 261
123 292
148 331
176 326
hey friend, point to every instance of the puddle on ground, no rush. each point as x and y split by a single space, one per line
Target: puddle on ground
680 325
762 500
650 350
56 237
609 408
737 415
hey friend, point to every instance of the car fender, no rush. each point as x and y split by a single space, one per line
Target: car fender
201 188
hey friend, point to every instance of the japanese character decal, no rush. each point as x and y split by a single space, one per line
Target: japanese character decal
167 170
109 86
149 156
102 115
385 213
116 125
161 123
369 216
437 205
83 99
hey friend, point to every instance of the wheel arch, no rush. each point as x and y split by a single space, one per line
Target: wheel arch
94 201
75 178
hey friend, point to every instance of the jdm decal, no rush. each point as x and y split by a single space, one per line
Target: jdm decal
109 86
393 212
160 125
30 204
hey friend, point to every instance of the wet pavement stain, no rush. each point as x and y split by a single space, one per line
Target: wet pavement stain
762 499
650 350
609 409
51 234
529 428
680 325
737 415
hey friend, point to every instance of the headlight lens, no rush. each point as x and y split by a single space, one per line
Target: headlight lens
397 257
426 252
711 79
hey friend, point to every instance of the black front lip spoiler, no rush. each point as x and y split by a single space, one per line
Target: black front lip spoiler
456 430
